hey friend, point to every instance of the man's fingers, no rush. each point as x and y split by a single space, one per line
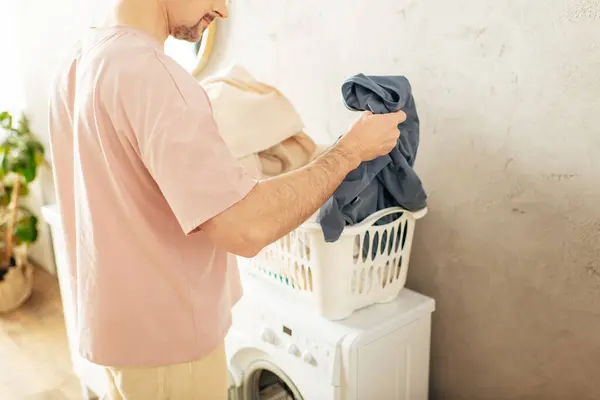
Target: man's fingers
394 118
398 117
393 134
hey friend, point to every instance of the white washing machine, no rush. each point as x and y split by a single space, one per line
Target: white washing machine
279 350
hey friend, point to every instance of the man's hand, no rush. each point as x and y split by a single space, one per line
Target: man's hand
372 135
277 206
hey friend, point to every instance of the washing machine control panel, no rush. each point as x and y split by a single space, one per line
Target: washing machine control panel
314 352
297 338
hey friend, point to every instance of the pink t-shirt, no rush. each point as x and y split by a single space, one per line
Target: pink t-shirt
138 165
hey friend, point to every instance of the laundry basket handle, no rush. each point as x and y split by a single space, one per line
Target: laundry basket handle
373 218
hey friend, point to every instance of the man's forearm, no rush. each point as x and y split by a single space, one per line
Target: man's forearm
283 203
278 205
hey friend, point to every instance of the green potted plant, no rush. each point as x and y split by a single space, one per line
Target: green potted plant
20 156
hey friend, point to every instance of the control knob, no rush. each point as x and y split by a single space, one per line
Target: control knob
293 350
309 359
267 336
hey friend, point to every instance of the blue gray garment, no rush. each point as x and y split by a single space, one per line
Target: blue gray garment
387 181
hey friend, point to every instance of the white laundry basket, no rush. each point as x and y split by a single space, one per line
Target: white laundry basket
366 265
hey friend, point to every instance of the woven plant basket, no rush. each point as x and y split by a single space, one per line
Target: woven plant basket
17 284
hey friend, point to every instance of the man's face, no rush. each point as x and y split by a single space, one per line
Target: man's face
189 18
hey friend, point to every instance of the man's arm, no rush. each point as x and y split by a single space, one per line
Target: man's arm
276 206
205 186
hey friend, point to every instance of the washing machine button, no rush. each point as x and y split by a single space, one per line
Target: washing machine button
268 336
293 350
309 359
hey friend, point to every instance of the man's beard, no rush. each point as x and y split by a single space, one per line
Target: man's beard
191 33
187 33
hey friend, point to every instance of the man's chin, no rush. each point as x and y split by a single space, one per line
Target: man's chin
190 35
197 37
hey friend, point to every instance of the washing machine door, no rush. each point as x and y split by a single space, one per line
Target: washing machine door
263 380
234 385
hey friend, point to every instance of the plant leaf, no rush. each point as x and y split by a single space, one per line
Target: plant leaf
6 120
23 125
26 229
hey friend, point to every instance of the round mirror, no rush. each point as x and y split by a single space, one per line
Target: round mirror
193 57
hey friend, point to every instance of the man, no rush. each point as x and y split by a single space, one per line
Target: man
153 203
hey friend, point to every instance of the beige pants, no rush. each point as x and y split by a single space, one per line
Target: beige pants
205 379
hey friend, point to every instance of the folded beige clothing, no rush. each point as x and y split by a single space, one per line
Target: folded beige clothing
252 117
258 124
286 156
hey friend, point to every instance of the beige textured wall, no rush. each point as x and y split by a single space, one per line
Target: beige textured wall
509 96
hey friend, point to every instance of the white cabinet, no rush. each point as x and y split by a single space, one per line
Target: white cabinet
92 377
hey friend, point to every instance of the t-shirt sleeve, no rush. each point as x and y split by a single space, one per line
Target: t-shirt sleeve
181 147
195 171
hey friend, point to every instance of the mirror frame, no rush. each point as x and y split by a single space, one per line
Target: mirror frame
206 48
